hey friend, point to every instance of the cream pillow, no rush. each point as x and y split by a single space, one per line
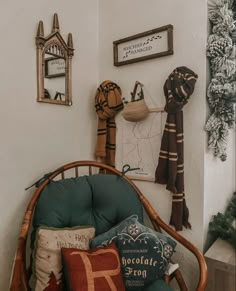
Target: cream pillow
47 265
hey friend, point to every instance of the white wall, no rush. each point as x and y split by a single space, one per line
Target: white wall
119 19
37 137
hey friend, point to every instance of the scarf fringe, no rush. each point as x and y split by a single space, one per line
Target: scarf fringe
180 215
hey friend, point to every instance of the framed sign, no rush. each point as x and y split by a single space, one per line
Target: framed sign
151 44
54 67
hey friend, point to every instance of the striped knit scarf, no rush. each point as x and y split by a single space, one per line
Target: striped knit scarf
107 103
170 170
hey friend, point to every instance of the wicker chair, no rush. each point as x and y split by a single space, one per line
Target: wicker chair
20 272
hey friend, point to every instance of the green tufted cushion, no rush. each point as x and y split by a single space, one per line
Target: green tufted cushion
100 200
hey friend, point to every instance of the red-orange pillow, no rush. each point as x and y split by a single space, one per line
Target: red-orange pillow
96 269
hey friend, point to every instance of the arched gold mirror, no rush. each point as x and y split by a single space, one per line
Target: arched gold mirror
54 65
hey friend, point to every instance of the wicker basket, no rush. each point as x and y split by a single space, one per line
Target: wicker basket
137 109
20 276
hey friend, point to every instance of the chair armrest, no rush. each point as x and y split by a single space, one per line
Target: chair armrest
18 280
194 250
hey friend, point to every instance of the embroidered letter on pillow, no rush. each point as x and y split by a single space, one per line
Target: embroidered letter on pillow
96 269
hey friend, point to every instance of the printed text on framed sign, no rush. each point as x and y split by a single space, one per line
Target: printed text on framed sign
54 67
151 44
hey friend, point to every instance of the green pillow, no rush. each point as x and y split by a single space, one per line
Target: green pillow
159 285
144 253
111 235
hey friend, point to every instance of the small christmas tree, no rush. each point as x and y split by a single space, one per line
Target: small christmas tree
224 225
52 284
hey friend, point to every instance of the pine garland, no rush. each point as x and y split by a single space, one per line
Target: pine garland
223 225
221 93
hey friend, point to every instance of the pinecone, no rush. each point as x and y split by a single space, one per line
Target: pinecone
219 48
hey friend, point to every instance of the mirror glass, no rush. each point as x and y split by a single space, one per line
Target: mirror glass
54 77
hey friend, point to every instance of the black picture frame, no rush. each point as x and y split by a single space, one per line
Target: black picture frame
139 47
53 67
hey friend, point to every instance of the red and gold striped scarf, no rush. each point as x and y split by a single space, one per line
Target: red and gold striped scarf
107 103
170 170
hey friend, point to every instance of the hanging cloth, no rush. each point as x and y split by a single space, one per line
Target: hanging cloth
170 170
107 103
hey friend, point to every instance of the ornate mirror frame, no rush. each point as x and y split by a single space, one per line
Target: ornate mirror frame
55 46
